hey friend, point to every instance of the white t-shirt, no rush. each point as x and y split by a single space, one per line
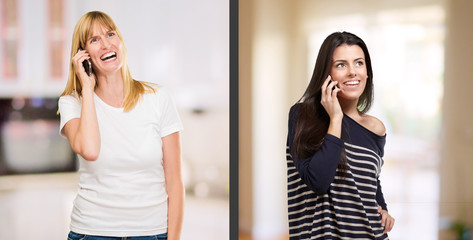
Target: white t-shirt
123 192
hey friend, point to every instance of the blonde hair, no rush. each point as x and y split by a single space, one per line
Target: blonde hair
133 89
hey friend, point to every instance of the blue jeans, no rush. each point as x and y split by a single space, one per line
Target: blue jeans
76 236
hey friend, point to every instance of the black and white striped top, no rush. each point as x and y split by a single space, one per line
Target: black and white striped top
322 204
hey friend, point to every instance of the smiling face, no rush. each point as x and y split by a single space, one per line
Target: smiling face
349 70
105 49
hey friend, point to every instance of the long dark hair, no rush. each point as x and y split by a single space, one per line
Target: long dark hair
313 121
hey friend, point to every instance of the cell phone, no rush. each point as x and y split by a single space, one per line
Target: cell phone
330 81
87 66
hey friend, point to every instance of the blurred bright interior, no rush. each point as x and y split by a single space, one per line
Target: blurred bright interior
406 48
407 41
181 44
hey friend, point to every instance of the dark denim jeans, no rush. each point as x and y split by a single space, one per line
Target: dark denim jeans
76 236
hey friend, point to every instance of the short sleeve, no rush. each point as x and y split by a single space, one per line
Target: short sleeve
69 108
169 120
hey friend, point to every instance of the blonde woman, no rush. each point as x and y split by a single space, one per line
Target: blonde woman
126 136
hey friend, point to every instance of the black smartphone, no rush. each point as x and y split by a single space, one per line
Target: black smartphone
330 81
87 66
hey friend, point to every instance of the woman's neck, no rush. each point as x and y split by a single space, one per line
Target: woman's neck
350 108
110 89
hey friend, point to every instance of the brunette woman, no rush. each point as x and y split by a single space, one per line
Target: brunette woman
335 149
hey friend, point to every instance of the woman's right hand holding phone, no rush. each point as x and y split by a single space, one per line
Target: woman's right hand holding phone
83 133
87 82
330 102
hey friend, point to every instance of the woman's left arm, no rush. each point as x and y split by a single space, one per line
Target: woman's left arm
387 221
174 185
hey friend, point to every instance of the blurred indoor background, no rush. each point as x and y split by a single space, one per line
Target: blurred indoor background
421 55
181 44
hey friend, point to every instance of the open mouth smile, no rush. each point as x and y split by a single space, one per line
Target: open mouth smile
108 57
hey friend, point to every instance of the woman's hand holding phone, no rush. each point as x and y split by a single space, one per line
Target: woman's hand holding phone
83 133
330 102
88 82
329 98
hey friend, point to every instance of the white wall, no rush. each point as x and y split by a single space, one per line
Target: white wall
182 44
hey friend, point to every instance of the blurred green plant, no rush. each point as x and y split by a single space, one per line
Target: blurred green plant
461 230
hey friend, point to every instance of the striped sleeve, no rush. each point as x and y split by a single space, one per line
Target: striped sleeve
317 171
380 197
347 208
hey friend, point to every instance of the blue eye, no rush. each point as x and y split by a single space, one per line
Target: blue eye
111 34
93 40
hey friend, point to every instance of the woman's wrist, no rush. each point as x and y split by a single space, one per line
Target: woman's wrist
335 127
87 92
337 118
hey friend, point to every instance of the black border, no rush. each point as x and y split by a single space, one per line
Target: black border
233 119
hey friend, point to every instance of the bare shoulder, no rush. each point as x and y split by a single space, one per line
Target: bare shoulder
374 125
